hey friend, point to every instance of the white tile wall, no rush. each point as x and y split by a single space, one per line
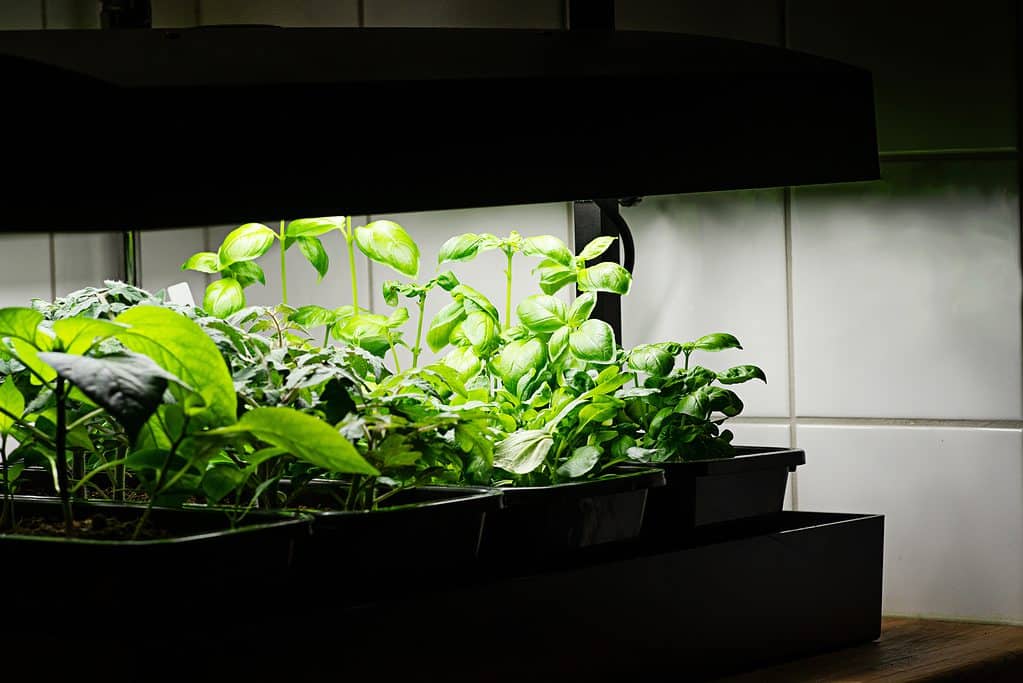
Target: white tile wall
163 252
906 294
24 268
486 272
714 262
953 505
86 259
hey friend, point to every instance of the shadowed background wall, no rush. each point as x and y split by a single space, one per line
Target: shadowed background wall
887 315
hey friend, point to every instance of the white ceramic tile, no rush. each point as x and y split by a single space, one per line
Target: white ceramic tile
486 273
21 14
294 13
714 263
466 13
944 72
24 268
86 260
304 288
163 252
953 506
753 20
906 294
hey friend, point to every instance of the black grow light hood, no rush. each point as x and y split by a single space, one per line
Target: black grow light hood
164 128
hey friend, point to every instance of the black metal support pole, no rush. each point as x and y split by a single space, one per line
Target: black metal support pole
591 14
591 222
128 14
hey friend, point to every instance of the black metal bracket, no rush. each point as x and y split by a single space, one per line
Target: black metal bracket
601 217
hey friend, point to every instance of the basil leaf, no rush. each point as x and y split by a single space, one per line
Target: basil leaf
481 302
652 360
594 341
314 227
605 277
245 243
313 316
443 324
523 451
554 276
543 313
387 242
517 358
580 462
204 262
223 297
314 252
718 341
482 333
246 273
740 374
548 246
459 248
581 308
596 247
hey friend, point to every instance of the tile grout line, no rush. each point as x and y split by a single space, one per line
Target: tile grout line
783 27
964 423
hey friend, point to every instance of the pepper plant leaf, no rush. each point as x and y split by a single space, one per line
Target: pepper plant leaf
20 323
183 349
12 401
387 242
306 437
77 335
129 386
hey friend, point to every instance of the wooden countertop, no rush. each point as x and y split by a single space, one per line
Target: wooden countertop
912 650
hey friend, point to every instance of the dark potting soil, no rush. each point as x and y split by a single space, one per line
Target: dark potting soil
96 526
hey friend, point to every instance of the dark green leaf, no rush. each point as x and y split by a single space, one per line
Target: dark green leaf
718 341
129 386
740 374
221 479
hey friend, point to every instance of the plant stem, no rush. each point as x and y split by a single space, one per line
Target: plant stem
8 508
61 459
160 478
350 241
40 436
508 290
394 354
84 418
419 332
685 368
326 335
284 270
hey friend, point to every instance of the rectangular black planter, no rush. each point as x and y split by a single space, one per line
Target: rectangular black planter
731 597
702 492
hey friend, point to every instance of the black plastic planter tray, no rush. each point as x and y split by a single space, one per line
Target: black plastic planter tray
429 530
204 562
541 521
731 597
704 492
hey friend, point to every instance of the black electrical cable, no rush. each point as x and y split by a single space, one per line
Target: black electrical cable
609 207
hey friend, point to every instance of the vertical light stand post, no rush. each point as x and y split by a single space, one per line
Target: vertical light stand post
128 14
601 217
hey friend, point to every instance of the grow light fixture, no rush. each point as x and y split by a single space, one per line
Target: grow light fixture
166 128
